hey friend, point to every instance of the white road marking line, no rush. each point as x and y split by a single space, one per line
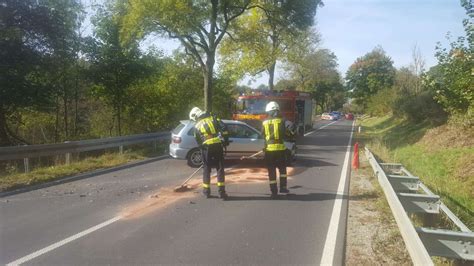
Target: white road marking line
63 242
323 127
331 237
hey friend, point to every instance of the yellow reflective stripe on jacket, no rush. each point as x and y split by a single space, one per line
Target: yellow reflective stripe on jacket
210 137
276 126
212 141
220 184
267 131
276 147
204 185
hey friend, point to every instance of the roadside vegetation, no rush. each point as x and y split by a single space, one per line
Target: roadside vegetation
442 156
46 174
421 118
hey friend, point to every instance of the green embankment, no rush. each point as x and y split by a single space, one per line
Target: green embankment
46 174
442 157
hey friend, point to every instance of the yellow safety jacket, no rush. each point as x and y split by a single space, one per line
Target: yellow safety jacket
209 131
274 132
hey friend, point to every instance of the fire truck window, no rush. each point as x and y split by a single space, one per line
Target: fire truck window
254 106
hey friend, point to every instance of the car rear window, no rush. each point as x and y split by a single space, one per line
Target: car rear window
177 129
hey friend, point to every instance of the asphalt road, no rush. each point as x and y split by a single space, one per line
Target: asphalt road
131 216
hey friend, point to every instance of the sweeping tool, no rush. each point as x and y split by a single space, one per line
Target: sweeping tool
183 186
251 156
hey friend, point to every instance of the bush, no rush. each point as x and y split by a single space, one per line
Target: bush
421 107
381 103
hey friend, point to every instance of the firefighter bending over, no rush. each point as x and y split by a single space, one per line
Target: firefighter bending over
275 132
212 137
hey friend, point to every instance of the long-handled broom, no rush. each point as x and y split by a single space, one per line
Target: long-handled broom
183 186
251 156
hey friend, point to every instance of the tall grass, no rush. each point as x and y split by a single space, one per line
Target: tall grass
396 140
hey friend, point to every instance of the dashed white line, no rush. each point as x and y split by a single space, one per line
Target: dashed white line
323 127
331 237
63 242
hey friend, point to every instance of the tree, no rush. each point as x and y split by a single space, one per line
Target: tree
114 65
315 70
369 74
452 79
263 36
198 25
31 35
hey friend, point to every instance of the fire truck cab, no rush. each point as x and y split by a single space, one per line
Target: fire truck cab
295 106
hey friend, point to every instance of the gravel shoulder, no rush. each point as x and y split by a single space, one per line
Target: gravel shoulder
372 233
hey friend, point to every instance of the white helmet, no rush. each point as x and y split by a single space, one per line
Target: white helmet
272 106
195 113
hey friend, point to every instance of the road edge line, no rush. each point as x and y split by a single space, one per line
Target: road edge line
63 242
331 237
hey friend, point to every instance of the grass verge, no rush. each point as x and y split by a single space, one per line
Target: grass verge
441 156
46 174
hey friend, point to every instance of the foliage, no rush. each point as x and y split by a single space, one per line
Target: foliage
265 35
315 71
381 102
452 79
369 74
198 25
33 33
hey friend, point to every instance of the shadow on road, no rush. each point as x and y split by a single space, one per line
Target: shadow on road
291 197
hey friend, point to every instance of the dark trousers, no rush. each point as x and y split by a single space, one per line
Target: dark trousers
213 157
274 160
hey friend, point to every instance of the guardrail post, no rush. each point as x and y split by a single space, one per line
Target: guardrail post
26 163
429 219
155 145
68 156
121 149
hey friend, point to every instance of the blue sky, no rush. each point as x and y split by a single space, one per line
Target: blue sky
351 28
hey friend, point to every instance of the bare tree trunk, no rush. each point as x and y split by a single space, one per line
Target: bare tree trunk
66 113
208 84
76 95
56 126
271 76
4 139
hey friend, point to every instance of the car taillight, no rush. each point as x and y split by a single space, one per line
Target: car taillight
176 140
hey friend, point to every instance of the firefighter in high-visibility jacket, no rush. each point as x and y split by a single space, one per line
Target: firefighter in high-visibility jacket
275 132
212 137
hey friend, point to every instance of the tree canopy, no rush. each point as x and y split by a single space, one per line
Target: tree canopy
370 73
200 26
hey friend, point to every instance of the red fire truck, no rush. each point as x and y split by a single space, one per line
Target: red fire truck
295 106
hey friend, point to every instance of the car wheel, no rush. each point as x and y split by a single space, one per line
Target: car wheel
194 158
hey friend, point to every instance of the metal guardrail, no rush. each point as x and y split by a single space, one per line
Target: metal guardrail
407 195
68 147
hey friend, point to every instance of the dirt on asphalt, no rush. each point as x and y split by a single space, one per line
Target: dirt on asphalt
166 196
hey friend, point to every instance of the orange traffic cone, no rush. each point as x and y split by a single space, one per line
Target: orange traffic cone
355 160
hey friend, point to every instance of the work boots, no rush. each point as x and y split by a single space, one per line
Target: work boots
274 190
284 190
223 195
206 192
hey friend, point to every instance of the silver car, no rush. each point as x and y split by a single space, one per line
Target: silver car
244 141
